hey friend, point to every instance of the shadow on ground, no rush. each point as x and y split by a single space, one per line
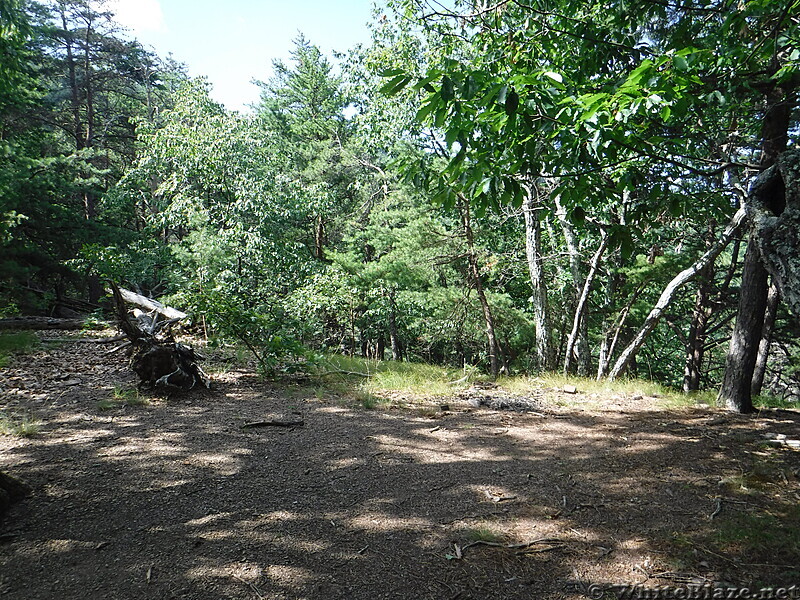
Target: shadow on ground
176 500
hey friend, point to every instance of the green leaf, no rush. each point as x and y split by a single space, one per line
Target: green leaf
636 76
391 72
470 88
426 109
395 85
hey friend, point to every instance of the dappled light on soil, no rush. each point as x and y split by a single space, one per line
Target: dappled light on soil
174 498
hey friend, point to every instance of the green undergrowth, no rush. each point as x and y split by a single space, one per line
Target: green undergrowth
18 342
769 401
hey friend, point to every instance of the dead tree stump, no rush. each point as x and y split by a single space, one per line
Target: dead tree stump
159 361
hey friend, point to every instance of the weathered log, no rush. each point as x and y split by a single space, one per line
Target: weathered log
151 305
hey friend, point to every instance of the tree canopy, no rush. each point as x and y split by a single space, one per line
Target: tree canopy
519 185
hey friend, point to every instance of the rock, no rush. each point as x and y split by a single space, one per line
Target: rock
570 389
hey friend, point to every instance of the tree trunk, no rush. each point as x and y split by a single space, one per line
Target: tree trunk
737 383
394 336
736 390
695 343
678 282
475 275
773 299
73 82
533 252
319 238
158 360
581 343
583 300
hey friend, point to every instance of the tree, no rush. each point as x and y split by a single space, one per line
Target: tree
602 114
304 105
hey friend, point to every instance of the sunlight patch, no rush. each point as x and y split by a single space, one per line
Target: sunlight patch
208 519
383 522
288 575
246 571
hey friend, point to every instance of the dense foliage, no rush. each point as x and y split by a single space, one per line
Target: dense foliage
511 185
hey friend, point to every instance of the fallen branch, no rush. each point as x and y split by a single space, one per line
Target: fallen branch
275 423
118 348
523 548
717 510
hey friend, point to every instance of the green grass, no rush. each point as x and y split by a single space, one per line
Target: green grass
367 381
122 397
16 343
758 534
367 377
24 426
663 397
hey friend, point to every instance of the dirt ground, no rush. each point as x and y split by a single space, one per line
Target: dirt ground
175 499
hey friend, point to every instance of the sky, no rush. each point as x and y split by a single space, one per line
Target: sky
233 42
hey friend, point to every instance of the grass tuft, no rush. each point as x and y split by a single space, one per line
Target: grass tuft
24 426
120 397
760 534
484 533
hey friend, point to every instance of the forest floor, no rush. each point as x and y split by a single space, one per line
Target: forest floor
418 498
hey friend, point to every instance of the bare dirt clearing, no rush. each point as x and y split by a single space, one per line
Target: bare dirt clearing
174 499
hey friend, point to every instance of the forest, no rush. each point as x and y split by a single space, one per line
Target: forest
517 186
502 303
